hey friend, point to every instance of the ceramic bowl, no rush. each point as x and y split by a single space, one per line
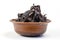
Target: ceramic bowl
30 29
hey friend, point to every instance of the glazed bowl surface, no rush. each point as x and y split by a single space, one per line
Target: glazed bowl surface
30 28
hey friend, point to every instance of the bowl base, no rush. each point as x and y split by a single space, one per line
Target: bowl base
31 35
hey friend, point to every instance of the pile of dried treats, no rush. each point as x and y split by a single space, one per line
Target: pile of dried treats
32 15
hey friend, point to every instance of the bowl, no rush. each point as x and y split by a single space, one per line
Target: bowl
30 29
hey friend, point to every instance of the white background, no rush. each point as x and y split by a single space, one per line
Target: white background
10 8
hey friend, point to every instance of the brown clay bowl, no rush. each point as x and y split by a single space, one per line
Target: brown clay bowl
31 29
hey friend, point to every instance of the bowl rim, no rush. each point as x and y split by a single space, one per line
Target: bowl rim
14 21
